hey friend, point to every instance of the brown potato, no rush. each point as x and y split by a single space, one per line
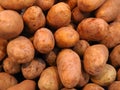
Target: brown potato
118 17
95 58
11 24
33 69
11 67
34 18
66 37
89 5
59 15
24 85
21 50
71 3
114 86
45 4
118 74
106 77
49 79
16 4
1 9
93 29
44 40
69 67
6 81
92 86
68 89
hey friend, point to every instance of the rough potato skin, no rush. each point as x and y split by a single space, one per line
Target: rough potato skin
118 75
93 29
24 85
69 68
20 49
49 79
114 86
34 18
92 86
95 58
59 15
33 69
6 81
16 4
44 40
11 24
89 5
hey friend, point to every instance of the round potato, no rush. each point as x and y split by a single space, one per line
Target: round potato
69 67
21 50
114 86
44 40
11 24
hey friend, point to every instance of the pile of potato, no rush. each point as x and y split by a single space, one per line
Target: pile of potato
59 44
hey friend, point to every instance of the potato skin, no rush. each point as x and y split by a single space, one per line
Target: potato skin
59 15
1 8
68 89
20 49
34 18
93 29
11 24
69 68
6 81
114 86
49 79
95 58
118 74
71 3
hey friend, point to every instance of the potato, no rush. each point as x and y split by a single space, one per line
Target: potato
95 58
11 24
109 10
68 89
69 67
118 17
33 69
112 39
114 86
89 5
24 85
34 18
59 15
80 47
92 86
6 81
11 67
20 49
49 79
3 45
66 37
118 74
45 4
1 9
106 77
15 4
43 40
93 29
71 3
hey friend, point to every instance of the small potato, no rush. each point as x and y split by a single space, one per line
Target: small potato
89 5
45 4
69 68
95 58
71 3
106 77
92 86
59 15
3 46
66 37
6 81
16 4
11 67
68 89
114 86
20 49
118 75
44 40
93 29
11 24
49 79
24 85
33 69
34 18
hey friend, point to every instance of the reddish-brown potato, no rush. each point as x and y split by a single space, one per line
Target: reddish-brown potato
59 15
21 50
71 3
69 67
118 75
1 9
11 24
114 86
118 17
44 40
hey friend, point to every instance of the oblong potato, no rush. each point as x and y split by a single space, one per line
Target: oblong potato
69 68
